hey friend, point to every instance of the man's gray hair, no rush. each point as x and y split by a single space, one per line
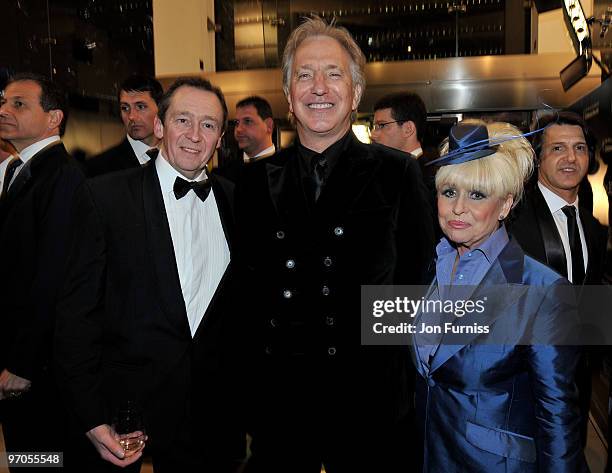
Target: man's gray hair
316 26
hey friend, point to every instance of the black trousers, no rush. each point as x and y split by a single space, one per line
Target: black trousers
300 443
34 422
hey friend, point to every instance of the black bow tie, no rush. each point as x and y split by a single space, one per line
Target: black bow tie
201 188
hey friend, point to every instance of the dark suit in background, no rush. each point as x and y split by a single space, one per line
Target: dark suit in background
317 395
535 230
117 158
123 330
35 223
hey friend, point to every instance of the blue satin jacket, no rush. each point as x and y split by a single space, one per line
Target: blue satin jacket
504 407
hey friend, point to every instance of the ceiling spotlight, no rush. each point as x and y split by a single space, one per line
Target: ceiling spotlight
576 23
578 29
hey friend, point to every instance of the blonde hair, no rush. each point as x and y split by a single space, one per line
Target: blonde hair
316 26
499 174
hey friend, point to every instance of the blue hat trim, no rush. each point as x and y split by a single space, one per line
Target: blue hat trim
468 142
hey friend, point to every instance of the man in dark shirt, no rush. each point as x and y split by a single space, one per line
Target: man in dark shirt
317 221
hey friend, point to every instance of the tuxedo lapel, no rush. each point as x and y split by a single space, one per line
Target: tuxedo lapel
222 191
128 154
36 166
286 188
355 169
161 250
553 247
589 225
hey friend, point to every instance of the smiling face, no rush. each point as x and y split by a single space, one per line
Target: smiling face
138 110
564 160
23 121
321 92
469 217
192 130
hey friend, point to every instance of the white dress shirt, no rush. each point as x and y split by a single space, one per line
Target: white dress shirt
140 150
200 247
555 205
263 154
417 152
28 153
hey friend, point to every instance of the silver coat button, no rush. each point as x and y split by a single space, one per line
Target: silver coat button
338 231
330 320
331 351
325 291
287 294
280 234
327 261
290 264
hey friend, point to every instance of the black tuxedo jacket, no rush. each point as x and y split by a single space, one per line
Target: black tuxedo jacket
117 158
35 222
305 264
534 228
123 332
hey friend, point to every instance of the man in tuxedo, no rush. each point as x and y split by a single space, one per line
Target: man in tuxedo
146 312
35 218
553 227
138 98
316 221
550 224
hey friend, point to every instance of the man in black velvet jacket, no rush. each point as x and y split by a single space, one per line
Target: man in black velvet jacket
317 221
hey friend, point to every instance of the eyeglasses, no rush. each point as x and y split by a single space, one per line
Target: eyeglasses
382 125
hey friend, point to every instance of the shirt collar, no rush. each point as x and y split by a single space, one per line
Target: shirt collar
554 202
4 164
140 149
417 152
28 153
491 248
331 154
167 174
266 152
269 151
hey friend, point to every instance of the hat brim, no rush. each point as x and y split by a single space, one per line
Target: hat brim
462 156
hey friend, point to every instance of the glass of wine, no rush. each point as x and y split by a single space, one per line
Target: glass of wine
128 426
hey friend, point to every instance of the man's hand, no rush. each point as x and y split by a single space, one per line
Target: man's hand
11 385
109 448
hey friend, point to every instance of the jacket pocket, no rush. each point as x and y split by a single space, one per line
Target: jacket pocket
501 442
